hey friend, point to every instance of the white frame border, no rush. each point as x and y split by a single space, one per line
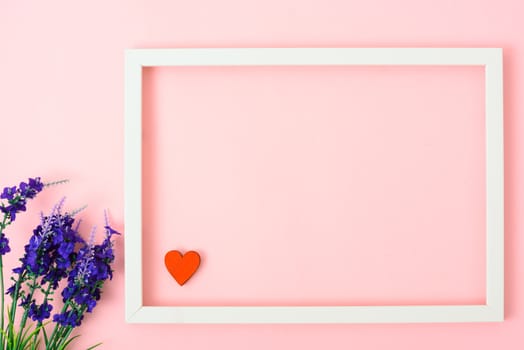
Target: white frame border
490 58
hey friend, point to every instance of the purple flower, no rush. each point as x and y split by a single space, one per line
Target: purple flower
85 281
25 301
8 193
4 245
68 318
14 208
50 252
17 197
48 258
40 312
32 188
16 202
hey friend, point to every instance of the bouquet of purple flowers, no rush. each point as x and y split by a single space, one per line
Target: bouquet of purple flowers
56 261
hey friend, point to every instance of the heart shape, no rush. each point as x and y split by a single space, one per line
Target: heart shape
182 267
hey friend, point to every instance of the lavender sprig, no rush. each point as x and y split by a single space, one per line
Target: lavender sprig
16 198
48 257
50 252
85 282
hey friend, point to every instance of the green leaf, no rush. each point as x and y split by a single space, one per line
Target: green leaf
94 346
64 345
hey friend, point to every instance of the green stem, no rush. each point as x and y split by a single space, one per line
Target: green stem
46 298
44 332
2 300
56 330
15 296
64 337
26 311
12 312
61 334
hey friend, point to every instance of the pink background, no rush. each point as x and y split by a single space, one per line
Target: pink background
316 186
61 107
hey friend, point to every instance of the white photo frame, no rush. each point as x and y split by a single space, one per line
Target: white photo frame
490 58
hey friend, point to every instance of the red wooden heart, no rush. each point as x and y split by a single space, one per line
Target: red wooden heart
182 267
